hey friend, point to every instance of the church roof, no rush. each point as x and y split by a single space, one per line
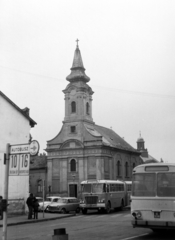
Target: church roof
110 138
77 69
149 159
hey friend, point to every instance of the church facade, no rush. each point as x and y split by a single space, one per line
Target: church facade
83 150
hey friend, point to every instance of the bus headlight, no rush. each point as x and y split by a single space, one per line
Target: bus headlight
137 215
101 200
81 201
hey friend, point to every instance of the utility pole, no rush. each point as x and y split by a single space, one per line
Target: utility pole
6 181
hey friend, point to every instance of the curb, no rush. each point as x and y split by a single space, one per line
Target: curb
37 220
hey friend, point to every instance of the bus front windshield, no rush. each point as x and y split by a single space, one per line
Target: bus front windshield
166 184
93 188
144 184
154 184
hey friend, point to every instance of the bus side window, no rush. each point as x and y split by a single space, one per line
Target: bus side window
107 188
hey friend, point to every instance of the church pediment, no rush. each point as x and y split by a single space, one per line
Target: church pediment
71 143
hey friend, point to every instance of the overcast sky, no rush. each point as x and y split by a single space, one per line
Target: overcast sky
128 50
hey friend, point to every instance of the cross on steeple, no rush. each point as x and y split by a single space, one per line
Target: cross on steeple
77 42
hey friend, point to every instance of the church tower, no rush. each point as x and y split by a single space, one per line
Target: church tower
141 147
78 94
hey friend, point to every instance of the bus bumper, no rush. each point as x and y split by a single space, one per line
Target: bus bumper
153 224
93 206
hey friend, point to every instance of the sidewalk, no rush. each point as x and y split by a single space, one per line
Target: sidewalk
23 219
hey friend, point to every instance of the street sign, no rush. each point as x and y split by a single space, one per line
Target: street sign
24 164
14 165
20 148
19 164
34 148
20 157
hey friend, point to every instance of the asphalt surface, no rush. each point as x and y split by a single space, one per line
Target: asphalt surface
23 219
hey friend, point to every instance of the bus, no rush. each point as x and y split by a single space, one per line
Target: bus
102 195
153 196
128 192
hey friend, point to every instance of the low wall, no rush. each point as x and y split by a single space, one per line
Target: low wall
16 206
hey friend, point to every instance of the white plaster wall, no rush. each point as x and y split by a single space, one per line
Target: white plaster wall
14 129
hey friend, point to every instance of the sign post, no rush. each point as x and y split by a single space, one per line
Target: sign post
17 162
6 180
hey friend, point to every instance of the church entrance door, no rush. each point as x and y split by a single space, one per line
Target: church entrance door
73 190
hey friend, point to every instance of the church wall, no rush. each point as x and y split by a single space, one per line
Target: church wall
49 173
81 171
63 176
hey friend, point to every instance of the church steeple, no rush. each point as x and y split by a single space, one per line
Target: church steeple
78 94
77 69
141 146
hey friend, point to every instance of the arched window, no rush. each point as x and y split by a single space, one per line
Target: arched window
126 169
87 108
133 165
118 169
73 107
73 165
39 186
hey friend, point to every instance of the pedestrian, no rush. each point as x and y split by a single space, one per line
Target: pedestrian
1 212
35 208
29 203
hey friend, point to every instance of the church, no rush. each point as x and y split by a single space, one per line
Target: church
83 150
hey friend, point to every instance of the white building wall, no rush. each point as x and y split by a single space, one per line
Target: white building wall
14 129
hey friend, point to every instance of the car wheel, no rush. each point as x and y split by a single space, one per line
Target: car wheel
63 210
84 211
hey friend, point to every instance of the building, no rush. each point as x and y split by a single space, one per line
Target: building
145 157
82 149
15 129
38 175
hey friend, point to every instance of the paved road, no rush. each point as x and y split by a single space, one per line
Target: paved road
93 226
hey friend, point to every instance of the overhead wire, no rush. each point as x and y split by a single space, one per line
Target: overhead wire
97 86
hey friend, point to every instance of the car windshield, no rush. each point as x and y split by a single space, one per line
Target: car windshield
144 184
48 199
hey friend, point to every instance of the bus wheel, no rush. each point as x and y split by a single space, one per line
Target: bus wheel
84 211
108 207
122 205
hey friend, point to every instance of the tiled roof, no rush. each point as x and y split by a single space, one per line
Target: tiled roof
112 139
38 162
149 159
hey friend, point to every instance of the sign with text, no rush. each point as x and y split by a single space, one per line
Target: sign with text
17 149
24 164
14 165
19 164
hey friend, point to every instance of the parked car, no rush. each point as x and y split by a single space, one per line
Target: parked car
40 199
47 202
65 205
